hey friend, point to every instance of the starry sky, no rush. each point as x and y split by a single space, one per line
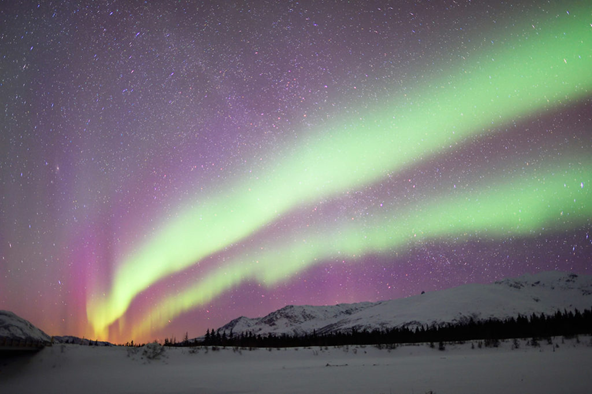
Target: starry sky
166 167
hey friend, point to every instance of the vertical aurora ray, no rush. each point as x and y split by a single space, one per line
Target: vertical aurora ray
538 202
537 73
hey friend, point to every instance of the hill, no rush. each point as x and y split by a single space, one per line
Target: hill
545 292
16 330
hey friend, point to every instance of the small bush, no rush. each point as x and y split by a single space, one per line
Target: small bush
193 350
492 342
132 351
153 351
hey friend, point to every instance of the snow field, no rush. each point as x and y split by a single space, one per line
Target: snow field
355 369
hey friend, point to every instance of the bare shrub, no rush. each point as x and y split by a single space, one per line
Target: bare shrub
153 350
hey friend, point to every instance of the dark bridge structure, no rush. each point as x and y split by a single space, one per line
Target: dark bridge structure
9 345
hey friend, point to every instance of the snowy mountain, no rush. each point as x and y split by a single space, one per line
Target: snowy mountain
545 292
16 328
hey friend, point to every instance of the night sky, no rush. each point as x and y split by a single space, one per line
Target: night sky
166 167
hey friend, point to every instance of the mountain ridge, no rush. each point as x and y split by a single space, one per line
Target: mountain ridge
545 292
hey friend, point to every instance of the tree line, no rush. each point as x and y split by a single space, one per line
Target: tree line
562 323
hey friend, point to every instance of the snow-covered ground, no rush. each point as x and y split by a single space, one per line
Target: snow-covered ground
355 369
560 367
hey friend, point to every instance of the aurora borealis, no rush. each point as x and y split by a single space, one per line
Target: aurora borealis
165 169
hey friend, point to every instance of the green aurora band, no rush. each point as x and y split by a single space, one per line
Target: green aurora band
536 203
532 73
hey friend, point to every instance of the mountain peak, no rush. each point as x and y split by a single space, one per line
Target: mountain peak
544 292
549 279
